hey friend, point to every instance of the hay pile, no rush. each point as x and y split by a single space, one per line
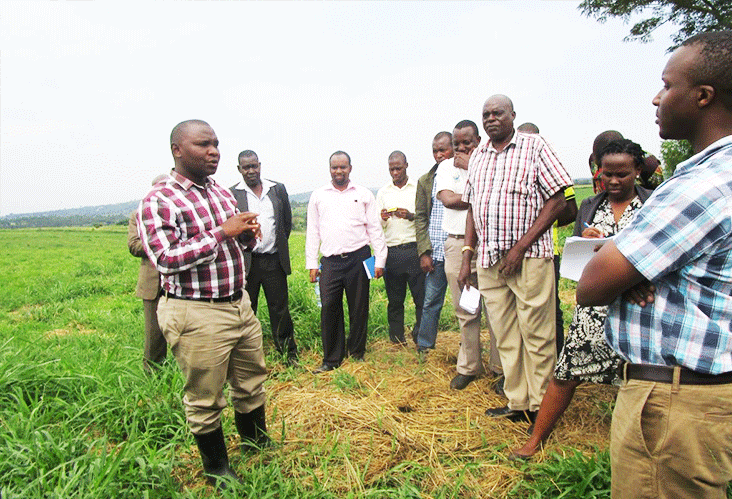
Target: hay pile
366 418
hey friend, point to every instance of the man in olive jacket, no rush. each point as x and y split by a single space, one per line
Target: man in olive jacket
430 246
148 288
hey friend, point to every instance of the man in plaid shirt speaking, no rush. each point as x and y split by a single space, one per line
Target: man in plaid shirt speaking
192 231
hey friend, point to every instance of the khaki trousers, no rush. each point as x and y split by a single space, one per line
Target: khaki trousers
155 345
215 343
521 308
469 360
671 441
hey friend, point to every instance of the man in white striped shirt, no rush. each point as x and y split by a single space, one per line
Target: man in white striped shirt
515 190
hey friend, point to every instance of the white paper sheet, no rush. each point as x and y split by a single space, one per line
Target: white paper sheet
577 253
470 299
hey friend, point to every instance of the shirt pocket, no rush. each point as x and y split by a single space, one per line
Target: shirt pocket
354 212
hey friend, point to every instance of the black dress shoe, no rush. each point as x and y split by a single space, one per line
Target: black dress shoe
323 369
518 458
461 381
498 387
510 414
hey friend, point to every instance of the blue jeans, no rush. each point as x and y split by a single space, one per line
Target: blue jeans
435 285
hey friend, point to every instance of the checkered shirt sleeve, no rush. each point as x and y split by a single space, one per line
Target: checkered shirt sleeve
179 225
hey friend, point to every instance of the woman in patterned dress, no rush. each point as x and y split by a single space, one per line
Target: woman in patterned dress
586 356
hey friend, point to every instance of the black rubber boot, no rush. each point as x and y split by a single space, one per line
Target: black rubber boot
252 427
215 460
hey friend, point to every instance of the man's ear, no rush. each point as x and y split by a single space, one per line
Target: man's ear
175 149
705 95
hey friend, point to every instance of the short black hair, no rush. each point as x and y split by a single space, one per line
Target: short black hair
603 140
181 127
398 154
443 134
466 124
528 128
247 153
714 66
340 153
624 146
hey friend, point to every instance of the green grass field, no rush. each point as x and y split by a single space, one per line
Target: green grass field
79 418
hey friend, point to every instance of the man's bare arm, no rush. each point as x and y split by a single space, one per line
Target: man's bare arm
608 275
452 200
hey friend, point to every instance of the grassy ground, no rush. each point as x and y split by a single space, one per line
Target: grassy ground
79 418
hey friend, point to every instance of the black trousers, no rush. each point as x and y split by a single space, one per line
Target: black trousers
267 272
339 273
560 319
402 270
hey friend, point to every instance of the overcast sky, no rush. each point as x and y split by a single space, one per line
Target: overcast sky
89 91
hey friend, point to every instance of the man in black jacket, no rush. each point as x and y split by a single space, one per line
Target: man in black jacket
269 262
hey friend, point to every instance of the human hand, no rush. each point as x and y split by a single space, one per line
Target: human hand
385 214
378 272
404 213
511 263
314 274
461 160
240 223
425 263
641 294
592 233
464 275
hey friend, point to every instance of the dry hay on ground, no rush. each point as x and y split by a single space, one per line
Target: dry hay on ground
367 417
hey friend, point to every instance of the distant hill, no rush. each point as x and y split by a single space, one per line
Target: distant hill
110 214
107 214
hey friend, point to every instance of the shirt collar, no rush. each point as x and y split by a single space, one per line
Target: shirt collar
409 182
701 156
187 183
348 187
488 146
266 186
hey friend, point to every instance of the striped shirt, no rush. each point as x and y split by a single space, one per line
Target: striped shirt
437 235
681 241
179 225
507 190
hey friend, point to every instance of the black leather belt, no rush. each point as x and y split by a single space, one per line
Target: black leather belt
456 236
343 256
264 255
224 299
664 374
405 245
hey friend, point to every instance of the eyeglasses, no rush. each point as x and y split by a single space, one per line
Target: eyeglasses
248 167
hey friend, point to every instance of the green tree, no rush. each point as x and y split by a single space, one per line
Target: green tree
691 16
674 152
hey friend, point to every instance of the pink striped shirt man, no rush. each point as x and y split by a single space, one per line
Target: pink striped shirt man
341 222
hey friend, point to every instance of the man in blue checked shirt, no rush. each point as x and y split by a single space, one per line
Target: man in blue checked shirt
672 424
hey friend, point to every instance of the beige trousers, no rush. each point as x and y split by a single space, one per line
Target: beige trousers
215 343
671 441
522 312
469 360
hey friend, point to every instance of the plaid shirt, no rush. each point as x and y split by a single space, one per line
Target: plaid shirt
681 241
179 224
507 190
437 235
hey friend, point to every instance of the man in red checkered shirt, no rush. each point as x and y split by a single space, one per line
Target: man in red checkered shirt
515 190
193 233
